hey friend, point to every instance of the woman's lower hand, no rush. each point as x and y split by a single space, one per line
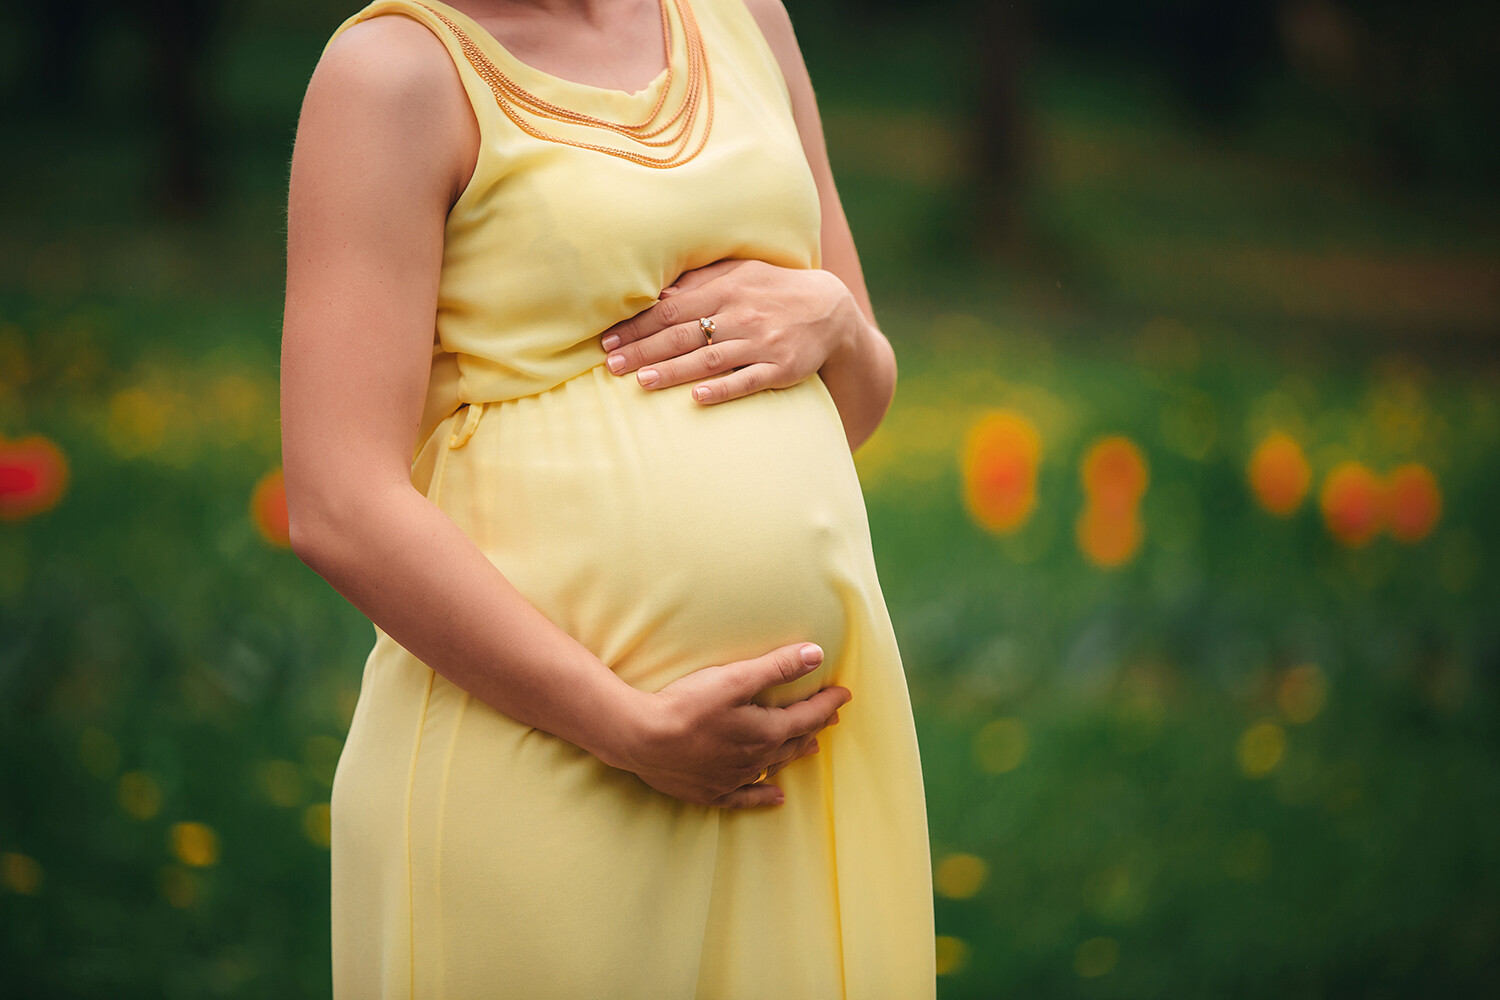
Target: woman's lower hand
772 327
703 740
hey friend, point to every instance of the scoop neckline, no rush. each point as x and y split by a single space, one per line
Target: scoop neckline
516 67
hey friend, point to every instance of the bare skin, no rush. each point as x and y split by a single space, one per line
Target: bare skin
385 111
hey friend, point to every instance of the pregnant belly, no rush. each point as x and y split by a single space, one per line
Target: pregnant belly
664 535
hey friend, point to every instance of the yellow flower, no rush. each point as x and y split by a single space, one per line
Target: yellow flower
952 955
316 824
1261 748
20 874
140 796
195 844
1000 746
959 876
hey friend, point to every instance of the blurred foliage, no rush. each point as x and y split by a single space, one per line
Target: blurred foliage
1202 714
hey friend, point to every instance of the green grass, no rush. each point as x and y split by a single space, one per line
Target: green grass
162 664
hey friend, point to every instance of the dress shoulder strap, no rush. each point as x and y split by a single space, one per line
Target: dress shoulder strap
741 31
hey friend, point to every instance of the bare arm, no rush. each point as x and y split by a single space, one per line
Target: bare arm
385 143
860 375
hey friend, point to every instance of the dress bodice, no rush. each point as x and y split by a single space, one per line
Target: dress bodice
550 244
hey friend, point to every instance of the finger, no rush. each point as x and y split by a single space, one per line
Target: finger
744 382
643 324
810 714
675 341
751 797
682 307
794 749
710 359
787 752
700 275
623 331
779 666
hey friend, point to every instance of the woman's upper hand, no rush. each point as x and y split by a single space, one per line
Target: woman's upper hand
703 740
774 326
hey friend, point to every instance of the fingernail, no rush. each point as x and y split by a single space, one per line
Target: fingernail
616 362
812 655
611 342
701 393
647 376
669 290
778 798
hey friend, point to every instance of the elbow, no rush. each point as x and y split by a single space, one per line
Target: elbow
892 374
312 527
308 537
330 524
304 539
861 429
887 383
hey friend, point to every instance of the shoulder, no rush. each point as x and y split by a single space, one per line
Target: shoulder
386 88
387 56
776 24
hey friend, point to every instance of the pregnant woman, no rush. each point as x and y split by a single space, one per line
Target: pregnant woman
595 753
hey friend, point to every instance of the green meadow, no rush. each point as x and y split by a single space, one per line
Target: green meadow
1252 756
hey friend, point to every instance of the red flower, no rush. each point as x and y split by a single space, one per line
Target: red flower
268 509
1000 460
1353 503
1107 537
1114 475
1114 472
1413 502
33 477
1279 474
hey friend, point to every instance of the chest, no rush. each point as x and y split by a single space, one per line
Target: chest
557 220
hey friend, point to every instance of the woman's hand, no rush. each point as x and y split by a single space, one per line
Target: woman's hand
701 739
776 325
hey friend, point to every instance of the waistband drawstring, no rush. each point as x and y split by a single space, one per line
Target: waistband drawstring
460 437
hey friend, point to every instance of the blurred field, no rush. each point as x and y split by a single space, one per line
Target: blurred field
1193 747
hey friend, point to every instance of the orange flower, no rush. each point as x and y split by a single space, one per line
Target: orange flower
1114 475
1279 474
1413 502
1000 462
1108 537
33 476
268 509
1353 503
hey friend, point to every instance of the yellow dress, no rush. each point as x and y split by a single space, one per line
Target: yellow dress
476 857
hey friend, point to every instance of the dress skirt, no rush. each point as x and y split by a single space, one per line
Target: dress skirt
474 856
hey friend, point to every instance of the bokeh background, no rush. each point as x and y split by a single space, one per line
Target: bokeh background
1184 509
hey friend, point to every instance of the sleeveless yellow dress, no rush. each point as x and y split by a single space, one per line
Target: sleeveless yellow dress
476 857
